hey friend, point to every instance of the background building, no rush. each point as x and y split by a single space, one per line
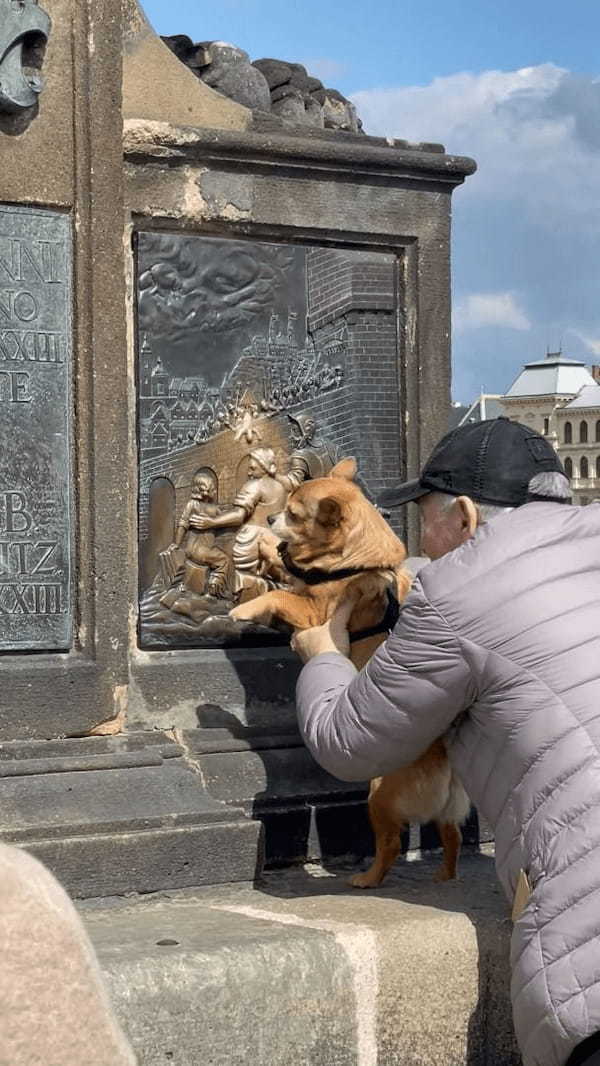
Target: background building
560 398
578 430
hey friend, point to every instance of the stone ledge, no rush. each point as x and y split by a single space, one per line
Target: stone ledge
145 141
303 971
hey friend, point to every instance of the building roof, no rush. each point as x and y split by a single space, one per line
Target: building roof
553 376
588 396
485 406
456 415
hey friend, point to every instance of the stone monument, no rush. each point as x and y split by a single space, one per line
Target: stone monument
213 284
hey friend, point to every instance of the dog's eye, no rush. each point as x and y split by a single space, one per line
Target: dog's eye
293 517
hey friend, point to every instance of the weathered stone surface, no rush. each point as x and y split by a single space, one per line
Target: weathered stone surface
413 973
182 46
266 83
158 86
339 113
69 156
206 986
319 95
295 106
291 107
275 71
314 113
35 403
45 132
285 90
228 70
112 816
313 84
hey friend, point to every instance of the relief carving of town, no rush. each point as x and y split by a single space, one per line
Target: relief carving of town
240 401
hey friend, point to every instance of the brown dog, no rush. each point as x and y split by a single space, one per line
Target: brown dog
336 542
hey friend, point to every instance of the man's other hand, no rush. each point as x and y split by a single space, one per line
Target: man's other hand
332 637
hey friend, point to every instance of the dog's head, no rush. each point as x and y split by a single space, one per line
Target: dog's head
331 522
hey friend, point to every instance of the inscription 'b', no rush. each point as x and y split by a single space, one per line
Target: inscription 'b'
16 516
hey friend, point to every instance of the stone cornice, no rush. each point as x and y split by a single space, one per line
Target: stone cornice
580 411
152 142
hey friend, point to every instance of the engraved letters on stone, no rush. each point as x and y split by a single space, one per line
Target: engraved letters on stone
24 26
259 365
35 476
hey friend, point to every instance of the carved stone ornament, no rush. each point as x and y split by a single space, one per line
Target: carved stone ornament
24 26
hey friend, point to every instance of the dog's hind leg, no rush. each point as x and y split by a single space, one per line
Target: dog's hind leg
387 829
451 838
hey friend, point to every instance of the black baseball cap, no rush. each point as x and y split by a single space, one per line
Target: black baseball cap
492 462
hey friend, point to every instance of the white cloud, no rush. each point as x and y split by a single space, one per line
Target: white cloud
490 309
526 226
534 132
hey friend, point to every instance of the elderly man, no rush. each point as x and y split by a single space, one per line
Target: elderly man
498 648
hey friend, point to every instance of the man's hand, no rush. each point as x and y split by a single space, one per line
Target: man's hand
333 636
201 522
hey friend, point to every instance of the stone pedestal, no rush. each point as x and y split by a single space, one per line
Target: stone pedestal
129 766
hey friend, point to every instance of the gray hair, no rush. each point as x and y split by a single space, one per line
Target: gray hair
556 486
550 484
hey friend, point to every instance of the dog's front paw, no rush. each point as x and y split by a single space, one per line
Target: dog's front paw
242 613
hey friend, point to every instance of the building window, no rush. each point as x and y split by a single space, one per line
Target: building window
546 426
598 430
583 432
598 467
568 433
569 467
584 469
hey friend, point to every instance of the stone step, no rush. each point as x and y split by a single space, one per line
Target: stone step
302 970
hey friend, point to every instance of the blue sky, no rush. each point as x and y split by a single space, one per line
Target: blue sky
515 85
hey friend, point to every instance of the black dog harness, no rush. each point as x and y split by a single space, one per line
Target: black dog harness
388 622
315 576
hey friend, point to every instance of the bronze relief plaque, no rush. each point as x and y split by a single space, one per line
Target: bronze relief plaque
35 406
259 366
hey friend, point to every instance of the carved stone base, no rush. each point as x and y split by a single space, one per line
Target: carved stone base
125 814
306 814
143 813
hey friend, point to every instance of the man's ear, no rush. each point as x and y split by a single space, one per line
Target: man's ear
468 514
346 468
329 512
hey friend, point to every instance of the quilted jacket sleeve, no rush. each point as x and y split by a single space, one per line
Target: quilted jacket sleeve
362 725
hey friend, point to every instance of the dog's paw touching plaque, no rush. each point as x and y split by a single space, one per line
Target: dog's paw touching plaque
242 613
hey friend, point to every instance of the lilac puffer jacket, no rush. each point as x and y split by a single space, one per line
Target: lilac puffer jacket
498 645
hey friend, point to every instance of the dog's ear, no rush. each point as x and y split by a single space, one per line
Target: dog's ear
346 468
329 512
